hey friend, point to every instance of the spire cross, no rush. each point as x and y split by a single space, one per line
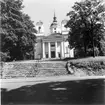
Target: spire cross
54 18
54 13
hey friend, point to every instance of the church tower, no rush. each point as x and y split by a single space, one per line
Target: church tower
40 28
63 28
54 27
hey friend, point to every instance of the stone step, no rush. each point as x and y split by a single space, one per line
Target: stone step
17 70
39 65
40 73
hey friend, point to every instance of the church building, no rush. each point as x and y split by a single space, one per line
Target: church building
54 45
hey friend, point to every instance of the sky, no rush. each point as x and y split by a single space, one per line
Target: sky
44 10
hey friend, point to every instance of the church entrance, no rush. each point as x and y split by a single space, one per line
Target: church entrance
52 54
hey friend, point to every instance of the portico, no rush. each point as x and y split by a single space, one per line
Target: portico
55 44
52 49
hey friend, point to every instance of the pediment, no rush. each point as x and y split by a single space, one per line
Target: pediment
53 36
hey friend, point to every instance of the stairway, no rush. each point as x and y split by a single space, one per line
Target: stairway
34 69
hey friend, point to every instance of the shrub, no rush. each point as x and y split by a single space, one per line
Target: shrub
3 56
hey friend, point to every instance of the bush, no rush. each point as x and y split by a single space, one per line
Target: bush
3 56
78 53
94 64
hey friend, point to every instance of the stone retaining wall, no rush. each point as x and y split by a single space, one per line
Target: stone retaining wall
36 69
51 68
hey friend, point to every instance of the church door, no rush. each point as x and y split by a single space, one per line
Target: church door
52 54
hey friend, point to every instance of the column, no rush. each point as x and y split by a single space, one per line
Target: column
69 52
49 50
34 51
56 54
43 50
62 50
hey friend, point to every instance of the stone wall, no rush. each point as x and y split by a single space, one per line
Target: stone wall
33 69
81 67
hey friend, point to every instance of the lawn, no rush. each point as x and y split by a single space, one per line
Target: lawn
81 67
91 66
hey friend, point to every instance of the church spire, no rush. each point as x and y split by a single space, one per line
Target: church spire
54 13
54 18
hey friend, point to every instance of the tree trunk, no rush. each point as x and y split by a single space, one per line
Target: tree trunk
93 48
92 34
85 48
93 43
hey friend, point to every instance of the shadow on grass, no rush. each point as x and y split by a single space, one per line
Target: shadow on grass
69 92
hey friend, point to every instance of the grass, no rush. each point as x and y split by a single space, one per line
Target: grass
90 61
95 66
83 67
99 58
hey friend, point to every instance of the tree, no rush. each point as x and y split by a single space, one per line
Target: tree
18 31
29 39
86 25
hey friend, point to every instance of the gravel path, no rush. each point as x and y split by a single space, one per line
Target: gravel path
10 84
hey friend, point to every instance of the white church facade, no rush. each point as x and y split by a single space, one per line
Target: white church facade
55 45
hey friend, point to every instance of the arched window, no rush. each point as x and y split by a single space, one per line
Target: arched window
39 29
54 30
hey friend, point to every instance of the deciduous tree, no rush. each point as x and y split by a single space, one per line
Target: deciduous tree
18 32
87 25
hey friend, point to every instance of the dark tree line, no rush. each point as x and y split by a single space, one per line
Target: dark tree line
87 28
17 32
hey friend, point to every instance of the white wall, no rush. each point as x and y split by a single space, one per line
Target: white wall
58 29
67 51
38 50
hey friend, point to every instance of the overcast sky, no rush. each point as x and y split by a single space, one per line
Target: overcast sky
44 10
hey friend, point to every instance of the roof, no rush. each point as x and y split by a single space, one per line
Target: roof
54 25
54 37
39 23
64 21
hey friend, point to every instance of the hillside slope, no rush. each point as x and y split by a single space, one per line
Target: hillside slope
88 66
81 67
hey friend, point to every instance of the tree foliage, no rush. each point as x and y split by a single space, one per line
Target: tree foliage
87 27
18 32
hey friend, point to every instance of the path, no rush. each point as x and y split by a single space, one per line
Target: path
16 83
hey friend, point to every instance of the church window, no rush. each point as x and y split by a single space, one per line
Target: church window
46 55
59 55
52 44
39 29
54 30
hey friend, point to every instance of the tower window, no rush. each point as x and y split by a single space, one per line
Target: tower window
54 28
39 29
